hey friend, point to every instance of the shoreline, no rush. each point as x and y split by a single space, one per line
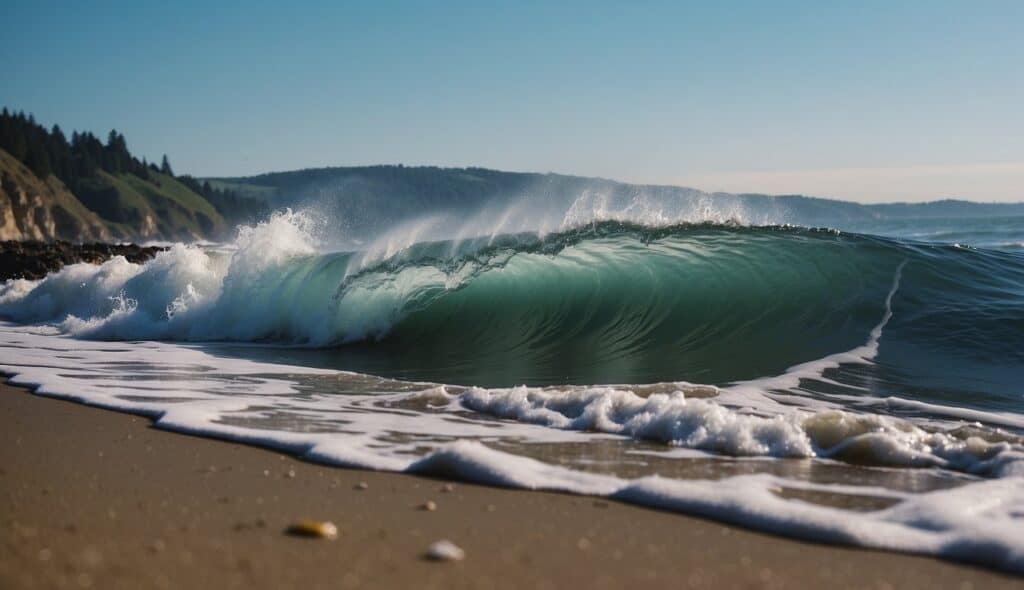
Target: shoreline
95 498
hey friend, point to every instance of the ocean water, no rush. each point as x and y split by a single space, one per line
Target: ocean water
858 385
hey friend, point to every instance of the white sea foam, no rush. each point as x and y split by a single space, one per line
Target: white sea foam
186 292
709 425
197 390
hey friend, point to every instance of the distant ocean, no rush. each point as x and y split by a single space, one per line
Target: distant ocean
860 383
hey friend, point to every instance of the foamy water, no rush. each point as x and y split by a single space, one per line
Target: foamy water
358 421
775 378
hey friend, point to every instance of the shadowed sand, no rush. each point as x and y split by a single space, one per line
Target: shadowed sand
97 499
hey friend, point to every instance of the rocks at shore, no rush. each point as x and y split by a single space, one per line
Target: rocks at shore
35 259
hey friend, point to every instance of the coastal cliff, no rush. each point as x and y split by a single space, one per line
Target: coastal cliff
32 208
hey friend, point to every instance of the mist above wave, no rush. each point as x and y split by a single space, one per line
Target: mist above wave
364 202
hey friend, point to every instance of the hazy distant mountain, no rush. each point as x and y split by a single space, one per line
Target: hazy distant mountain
366 199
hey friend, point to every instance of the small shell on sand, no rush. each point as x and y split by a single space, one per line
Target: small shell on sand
448 488
445 550
362 485
313 528
429 506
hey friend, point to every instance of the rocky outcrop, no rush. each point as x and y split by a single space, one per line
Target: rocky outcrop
35 259
35 209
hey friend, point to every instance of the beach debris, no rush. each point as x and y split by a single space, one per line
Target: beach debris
445 550
362 485
448 488
315 529
290 474
429 506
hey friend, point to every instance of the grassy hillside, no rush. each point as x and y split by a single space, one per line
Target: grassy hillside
159 207
32 208
102 185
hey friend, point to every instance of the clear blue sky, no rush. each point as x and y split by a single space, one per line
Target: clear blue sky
873 101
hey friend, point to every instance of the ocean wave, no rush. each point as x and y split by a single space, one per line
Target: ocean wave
602 302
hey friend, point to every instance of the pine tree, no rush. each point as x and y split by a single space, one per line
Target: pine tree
112 160
165 166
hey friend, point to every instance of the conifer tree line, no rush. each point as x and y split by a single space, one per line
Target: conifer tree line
74 161
51 152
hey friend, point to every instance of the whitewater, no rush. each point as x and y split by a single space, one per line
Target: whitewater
826 385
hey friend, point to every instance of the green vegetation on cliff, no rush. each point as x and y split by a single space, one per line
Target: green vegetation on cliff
131 198
32 208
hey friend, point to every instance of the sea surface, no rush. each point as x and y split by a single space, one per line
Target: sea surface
860 385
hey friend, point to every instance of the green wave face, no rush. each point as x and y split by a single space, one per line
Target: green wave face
616 303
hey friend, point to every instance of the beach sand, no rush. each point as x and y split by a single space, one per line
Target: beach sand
97 499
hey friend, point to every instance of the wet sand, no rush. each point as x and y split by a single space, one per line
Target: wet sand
97 499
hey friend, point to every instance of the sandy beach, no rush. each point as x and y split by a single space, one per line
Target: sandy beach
97 499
